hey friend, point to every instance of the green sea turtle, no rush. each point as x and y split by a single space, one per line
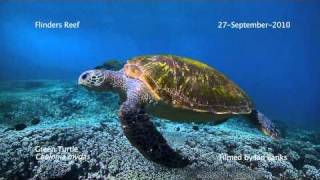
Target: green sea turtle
174 88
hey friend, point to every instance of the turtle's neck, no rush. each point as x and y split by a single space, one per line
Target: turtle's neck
118 82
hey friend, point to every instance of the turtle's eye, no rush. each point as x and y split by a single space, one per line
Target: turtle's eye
84 76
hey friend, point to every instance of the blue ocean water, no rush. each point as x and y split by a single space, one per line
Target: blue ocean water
278 68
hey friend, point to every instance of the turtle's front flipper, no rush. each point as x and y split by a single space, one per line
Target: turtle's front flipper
264 124
144 136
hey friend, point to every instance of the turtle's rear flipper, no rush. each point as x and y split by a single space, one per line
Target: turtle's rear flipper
144 136
264 124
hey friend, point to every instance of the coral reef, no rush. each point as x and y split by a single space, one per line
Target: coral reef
75 134
53 101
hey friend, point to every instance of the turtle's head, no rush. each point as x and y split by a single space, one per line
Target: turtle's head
93 80
101 80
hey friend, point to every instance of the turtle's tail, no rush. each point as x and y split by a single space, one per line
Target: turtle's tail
264 124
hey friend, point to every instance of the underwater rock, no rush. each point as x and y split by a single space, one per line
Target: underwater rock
312 160
113 65
290 174
157 124
191 143
35 120
293 156
196 128
113 167
20 127
231 144
311 172
278 167
8 129
111 155
56 169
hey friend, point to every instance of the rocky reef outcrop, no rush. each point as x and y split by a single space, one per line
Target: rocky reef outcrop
75 134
